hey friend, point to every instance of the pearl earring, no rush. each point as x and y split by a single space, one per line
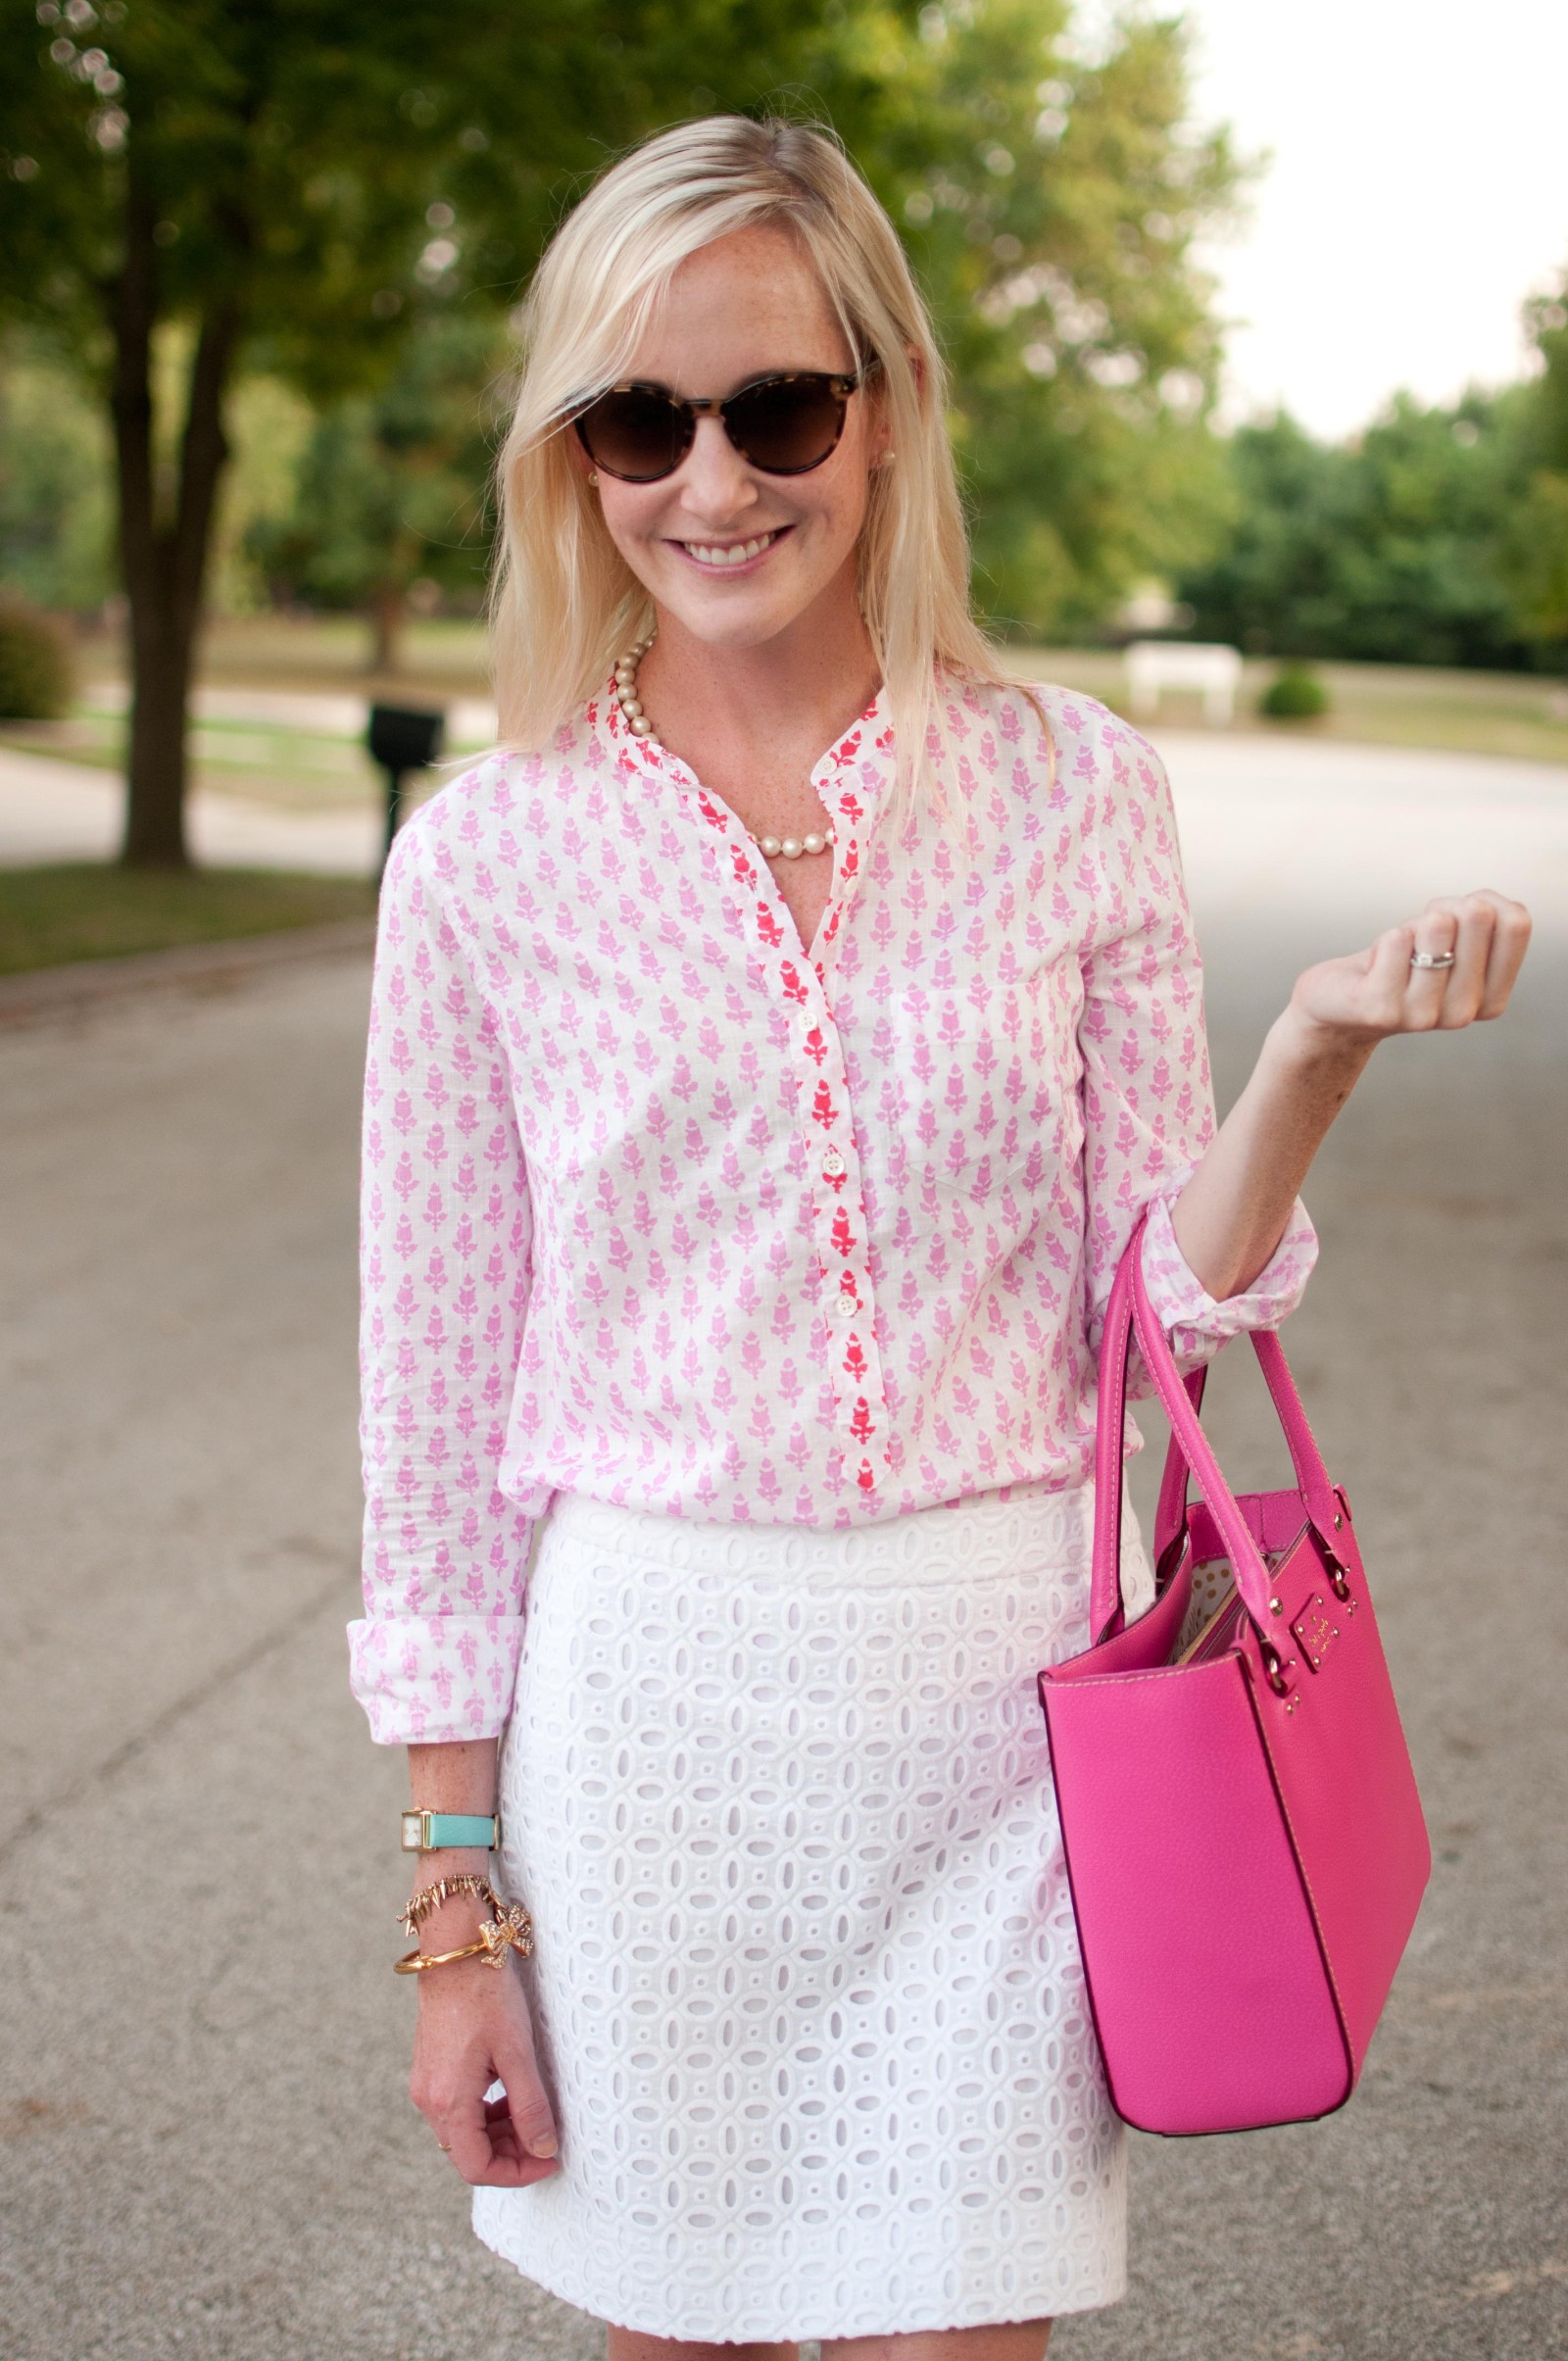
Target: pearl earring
593 475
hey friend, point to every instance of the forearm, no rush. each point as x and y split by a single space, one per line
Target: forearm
1233 1212
456 1778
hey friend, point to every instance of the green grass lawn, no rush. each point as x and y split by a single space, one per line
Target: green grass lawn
289 768
1519 713
1522 713
440 659
87 911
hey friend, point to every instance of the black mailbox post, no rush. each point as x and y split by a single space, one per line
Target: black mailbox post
402 740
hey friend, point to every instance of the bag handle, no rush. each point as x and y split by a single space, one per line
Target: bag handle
1131 1314
1170 1516
1312 1482
1105 1615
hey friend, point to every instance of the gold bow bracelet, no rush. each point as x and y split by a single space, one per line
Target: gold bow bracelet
511 1929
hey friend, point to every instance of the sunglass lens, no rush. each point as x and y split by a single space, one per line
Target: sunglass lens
786 427
635 434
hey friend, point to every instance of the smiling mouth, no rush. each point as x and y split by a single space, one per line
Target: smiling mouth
734 552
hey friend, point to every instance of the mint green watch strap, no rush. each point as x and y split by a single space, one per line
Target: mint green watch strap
435 1831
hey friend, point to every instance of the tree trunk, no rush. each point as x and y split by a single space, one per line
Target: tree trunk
389 612
164 557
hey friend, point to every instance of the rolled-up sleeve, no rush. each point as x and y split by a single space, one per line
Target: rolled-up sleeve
1148 1107
1197 1324
446 1241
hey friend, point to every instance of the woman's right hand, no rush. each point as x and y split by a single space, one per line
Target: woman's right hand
473 2031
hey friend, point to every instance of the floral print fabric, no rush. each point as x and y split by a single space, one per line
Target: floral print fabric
664 1209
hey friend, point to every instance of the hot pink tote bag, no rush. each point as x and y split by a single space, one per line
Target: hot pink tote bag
1243 1832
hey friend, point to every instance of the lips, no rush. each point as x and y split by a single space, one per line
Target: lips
725 556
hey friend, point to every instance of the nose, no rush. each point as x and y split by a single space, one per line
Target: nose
714 480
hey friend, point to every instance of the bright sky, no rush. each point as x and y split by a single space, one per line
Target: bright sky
1418 192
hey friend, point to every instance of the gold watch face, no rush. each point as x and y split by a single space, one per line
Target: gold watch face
413 1831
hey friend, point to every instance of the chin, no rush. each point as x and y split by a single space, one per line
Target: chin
735 623
744 616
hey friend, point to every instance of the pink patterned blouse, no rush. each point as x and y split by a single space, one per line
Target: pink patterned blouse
659 1208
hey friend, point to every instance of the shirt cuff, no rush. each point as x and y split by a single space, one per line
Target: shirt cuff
435 1680
1194 1322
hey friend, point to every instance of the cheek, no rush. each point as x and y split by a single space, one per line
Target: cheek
631 522
854 494
842 504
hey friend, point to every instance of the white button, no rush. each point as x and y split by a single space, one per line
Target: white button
833 1165
845 1307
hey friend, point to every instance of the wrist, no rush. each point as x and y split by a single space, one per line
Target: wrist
452 1929
463 1983
426 1829
451 1861
452 1923
1299 1045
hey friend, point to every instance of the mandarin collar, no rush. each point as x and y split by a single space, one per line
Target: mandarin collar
851 776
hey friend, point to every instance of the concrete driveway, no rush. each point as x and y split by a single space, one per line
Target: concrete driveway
204 2137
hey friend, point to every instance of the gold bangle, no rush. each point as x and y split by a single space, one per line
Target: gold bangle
510 1930
417 1961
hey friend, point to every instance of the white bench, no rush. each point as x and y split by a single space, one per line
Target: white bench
1154 665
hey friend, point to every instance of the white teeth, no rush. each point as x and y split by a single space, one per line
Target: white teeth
736 555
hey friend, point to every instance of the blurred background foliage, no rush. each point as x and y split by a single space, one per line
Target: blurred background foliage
388 502
1054 198
1410 545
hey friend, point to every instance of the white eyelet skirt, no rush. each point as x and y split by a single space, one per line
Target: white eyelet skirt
807 1989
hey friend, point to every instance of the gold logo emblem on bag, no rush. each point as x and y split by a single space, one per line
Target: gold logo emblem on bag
1313 1632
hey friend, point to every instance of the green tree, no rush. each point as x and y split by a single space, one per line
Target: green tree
285 184
391 487
1388 548
258 174
1052 201
1536 550
56 506
212 169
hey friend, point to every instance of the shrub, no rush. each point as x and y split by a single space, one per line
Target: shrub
35 666
1295 694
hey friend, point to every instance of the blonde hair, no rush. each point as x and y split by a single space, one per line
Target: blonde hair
564 602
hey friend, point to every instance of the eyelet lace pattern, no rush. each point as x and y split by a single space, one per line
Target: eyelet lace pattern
808 1984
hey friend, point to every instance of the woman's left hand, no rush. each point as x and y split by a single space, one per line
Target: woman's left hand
1232 1213
1363 999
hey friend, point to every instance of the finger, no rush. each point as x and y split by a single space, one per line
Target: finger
1476 920
527 2103
1510 940
484 2150
464 2136
1436 934
1388 979
512 2159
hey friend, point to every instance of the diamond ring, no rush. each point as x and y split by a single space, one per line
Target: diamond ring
1432 959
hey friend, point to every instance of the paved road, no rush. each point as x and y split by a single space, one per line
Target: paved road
59 811
203 2136
52 811
1342 827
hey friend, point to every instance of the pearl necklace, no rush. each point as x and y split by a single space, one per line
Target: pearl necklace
771 847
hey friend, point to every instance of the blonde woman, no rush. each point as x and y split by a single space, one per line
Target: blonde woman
774 1048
